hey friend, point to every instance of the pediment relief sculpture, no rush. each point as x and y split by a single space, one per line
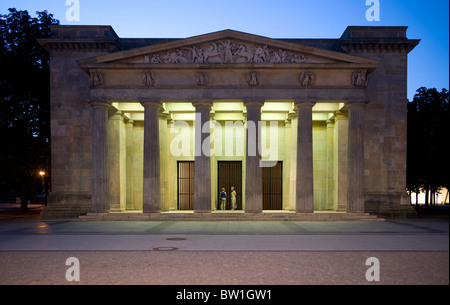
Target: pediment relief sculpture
226 52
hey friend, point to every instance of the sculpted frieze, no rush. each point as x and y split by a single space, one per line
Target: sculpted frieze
202 78
360 79
226 52
253 78
306 78
148 78
96 79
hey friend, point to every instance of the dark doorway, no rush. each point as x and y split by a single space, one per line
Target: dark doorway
272 179
229 174
185 171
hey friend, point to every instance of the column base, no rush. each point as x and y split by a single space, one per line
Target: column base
66 205
389 205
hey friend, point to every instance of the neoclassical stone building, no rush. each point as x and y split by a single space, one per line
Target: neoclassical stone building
294 125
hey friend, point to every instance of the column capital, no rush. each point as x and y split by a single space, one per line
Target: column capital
305 101
340 115
253 102
356 103
150 103
118 115
293 114
304 105
100 103
163 113
202 103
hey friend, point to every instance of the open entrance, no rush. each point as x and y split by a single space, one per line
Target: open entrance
185 175
272 179
229 175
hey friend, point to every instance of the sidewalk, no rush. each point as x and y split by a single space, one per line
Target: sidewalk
398 235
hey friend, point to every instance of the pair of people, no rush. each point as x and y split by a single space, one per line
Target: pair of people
223 199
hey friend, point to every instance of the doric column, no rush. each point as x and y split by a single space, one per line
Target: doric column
253 171
151 197
129 124
305 190
116 165
293 116
202 163
355 184
164 153
331 203
340 160
100 195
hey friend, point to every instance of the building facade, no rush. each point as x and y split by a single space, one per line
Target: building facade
162 125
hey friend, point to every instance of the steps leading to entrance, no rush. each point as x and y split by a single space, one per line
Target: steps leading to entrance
229 216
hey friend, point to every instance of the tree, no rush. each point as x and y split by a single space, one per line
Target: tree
24 100
428 142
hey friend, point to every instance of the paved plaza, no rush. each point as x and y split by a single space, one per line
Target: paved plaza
222 253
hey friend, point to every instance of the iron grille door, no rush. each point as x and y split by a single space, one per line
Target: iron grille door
185 185
272 178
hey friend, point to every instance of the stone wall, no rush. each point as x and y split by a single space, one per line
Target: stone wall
71 128
385 116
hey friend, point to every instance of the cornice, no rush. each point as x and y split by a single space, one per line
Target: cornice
104 45
377 46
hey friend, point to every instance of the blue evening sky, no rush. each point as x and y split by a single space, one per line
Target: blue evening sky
426 20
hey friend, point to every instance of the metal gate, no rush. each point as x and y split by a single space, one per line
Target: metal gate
272 179
229 173
185 175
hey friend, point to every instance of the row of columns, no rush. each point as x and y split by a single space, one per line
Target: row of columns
202 173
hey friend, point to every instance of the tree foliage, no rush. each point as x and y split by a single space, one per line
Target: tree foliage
24 98
429 141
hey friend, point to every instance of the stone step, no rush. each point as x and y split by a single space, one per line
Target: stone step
276 216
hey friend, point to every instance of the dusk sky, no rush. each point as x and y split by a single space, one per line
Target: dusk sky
426 20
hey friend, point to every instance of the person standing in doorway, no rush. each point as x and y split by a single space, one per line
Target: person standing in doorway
223 199
233 198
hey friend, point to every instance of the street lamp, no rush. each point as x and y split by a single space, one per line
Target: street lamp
42 174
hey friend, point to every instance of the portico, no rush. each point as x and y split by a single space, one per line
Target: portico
228 140
174 122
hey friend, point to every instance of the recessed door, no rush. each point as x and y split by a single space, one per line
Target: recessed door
229 174
185 185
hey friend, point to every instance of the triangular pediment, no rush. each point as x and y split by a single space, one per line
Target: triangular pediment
227 47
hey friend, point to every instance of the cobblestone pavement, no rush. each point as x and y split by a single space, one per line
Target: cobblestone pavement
224 268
